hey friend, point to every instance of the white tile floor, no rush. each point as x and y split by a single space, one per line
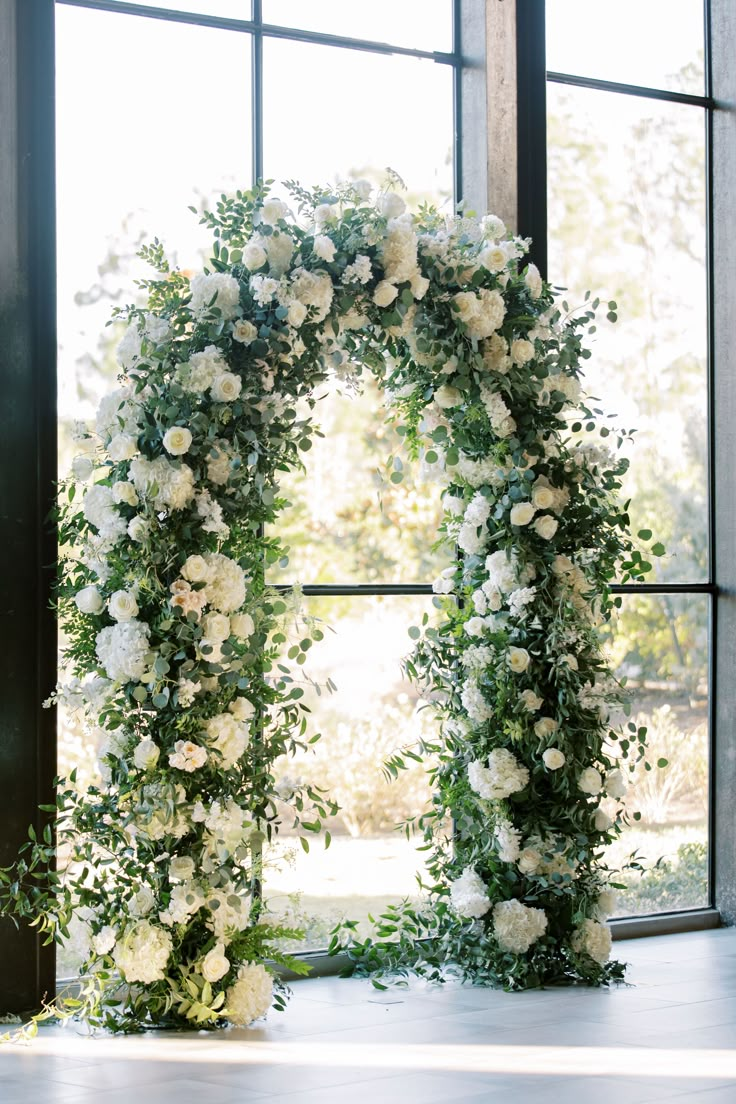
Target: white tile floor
670 1036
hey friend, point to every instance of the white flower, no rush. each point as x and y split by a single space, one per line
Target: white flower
385 293
493 257
545 726
227 736
142 902
226 387
531 701
125 492
492 227
602 821
503 776
177 440
142 953
297 312
122 650
503 571
507 840
546 526
187 689
475 626
516 926
105 940
445 582
324 247
168 485
324 213
146 755
533 281
214 964
187 756
181 868
244 332
315 290
89 600
419 285
553 759
590 781
82 468
522 351
474 704
543 497
254 255
225 589
242 709
359 272
518 659
446 396
242 626
217 286
529 861
122 606
197 570
468 895
390 205
250 997
138 528
594 940
363 189
216 626
273 210
522 513
615 784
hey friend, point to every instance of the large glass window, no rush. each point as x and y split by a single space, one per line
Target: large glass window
627 189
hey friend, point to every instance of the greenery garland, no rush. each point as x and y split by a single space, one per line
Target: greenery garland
175 640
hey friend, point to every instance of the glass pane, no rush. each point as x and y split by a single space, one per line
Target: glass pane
627 222
229 9
356 133
131 157
660 644
372 714
658 44
347 523
419 24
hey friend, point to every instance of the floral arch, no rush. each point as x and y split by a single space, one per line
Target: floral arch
174 636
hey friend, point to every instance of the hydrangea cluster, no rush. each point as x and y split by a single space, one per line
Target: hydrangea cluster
174 636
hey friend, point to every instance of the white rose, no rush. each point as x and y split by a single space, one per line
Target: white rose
522 513
138 528
242 626
570 661
226 387
273 210
82 468
543 498
533 281
122 606
296 314
324 247
474 626
531 701
216 626
181 868
195 569
390 205
616 784
122 491
122 447
518 660
324 213
553 759
522 351
146 755
177 440
89 600
254 256
602 821
242 709
446 396
590 781
385 293
104 941
493 257
545 726
363 188
546 526
466 305
419 286
244 332
142 902
214 964
492 227
529 861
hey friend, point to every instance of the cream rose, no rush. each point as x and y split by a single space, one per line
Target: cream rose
177 440
82 468
493 257
214 964
242 709
590 781
273 210
121 447
553 759
124 492
385 293
254 256
522 513
531 701
122 606
518 660
446 396
546 526
616 784
545 726
146 755
195 569
522 351
602 821
216 626
226 387
242 626
543 498
244 332
181 868
296 314
138 529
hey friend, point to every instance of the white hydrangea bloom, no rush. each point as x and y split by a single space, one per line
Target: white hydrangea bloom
122 650
142 952
516 926
593 939
468 895
250 997
503 776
